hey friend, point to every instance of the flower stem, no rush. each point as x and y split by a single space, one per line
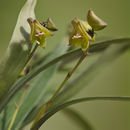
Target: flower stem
44 108
23 72
68 77
32 53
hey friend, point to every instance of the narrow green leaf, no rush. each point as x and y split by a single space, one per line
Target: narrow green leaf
17 52
77 118
75 101
32 115
83 79
97 47
38 88
3 119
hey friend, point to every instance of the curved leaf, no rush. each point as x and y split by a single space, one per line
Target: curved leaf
83 79
97 47
17 52
38 88
75 101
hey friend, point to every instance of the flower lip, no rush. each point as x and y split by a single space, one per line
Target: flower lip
38 34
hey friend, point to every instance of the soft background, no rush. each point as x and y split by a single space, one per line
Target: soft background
113 79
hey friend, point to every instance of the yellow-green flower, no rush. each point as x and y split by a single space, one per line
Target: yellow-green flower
38 32
83 33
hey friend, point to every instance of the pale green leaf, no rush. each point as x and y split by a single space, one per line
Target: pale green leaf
59 107
83 79
39 87
93 48
18 50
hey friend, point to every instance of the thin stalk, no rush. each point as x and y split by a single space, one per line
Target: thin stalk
17 109
32 53
44 108
23 72
67 77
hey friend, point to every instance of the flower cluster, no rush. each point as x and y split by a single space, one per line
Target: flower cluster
84 31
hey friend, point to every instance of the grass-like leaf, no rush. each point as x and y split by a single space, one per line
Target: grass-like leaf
97 47
75 101
38 88
83 79
71 90
3 119
18 50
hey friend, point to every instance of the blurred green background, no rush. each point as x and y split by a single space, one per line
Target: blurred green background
113 79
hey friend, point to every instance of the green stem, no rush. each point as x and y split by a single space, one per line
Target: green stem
23 72
68 77
44 108
32 53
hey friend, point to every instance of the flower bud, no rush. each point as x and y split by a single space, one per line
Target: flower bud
95 22
50 25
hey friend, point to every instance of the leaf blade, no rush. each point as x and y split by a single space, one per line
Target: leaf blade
109 55
96 47
38 88
86 77
17 52
75 101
